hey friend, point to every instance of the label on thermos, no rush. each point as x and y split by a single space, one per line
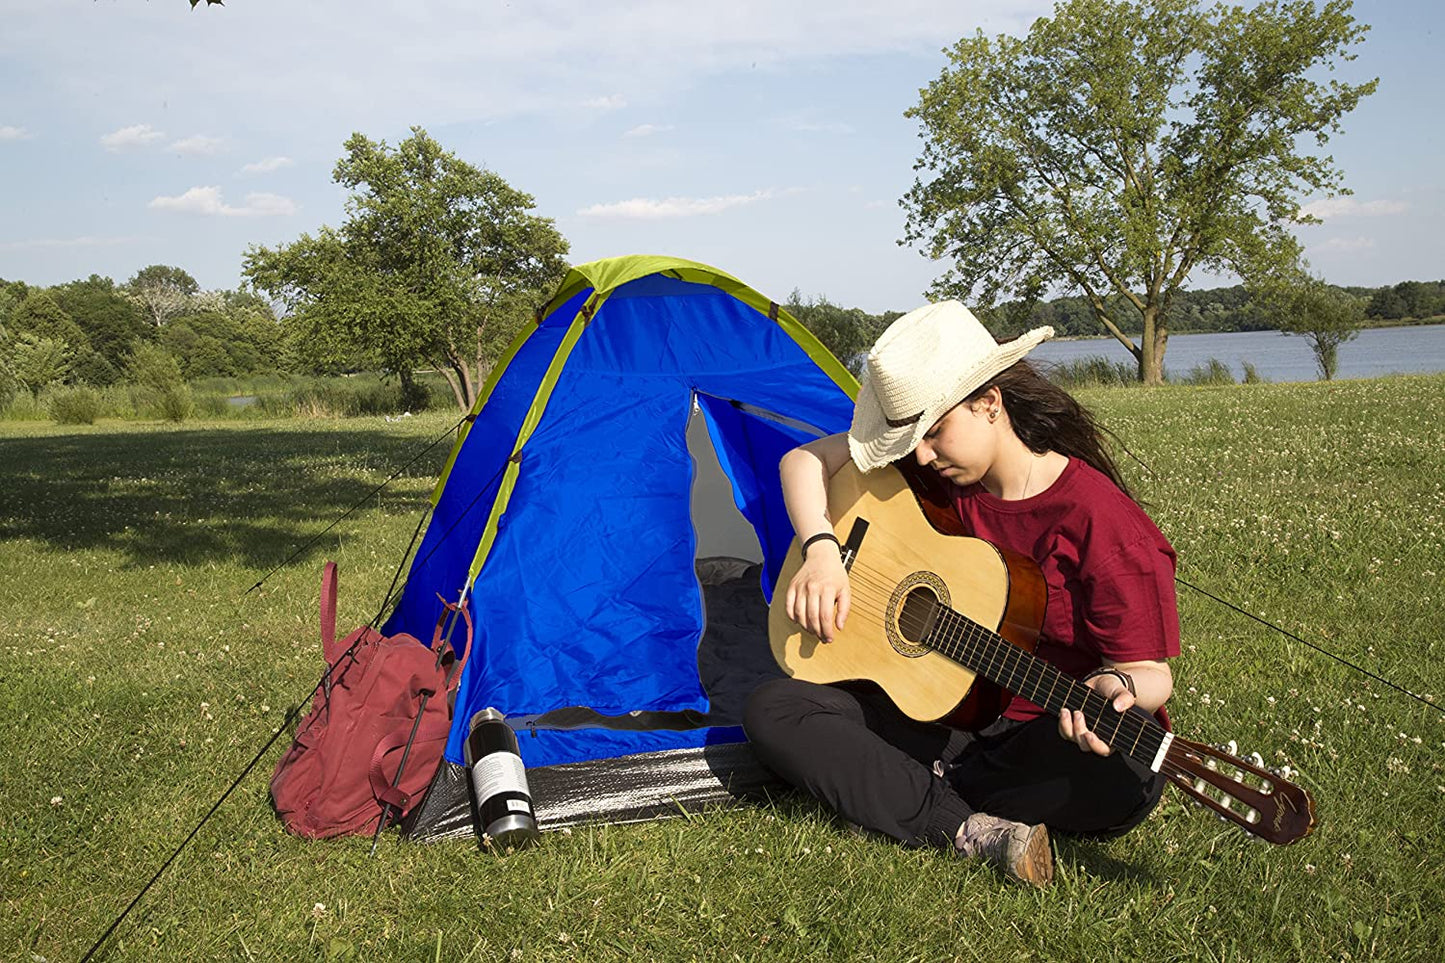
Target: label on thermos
499 772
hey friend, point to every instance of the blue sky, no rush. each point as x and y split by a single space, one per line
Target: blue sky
765 138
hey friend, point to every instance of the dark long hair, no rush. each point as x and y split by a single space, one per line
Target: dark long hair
1045 416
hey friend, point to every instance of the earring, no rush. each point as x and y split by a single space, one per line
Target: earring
993 414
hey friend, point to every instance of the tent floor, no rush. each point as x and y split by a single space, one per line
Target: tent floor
733 658
646 786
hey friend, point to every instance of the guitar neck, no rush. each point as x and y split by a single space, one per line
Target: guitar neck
963 640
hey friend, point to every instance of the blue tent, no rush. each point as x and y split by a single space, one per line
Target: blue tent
563 513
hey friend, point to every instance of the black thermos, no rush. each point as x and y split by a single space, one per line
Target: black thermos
505 818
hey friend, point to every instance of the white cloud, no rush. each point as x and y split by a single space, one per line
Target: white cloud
610 102
15 133
198 144
84 241
1328 207
268 165
207 201
1346 245
137 135
644 208
268 205
647 130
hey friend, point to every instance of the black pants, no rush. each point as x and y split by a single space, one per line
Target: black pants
917 782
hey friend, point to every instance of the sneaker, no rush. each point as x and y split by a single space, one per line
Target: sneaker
1020 850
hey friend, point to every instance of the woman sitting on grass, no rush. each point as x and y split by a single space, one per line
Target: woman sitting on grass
1028 472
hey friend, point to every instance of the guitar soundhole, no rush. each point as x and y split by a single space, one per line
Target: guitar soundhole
919 612
915 606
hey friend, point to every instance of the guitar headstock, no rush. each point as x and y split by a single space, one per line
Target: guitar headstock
1254 798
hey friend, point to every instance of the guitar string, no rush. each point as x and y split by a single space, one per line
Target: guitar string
1132 728
876 590
1032 672
870 585
879 590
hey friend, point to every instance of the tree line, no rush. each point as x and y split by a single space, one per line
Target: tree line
1222 309
88 332
97 333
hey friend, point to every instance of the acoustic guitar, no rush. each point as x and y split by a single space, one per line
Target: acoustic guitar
946 625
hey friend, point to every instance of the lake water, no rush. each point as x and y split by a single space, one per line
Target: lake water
1279 357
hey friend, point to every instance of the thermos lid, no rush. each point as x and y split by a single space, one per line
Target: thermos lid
485 715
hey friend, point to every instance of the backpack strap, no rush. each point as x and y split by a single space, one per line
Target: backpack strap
328 614
454 672
433 729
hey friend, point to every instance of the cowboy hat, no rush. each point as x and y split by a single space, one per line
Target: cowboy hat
926 362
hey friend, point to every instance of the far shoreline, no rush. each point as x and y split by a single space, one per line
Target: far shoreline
1367 326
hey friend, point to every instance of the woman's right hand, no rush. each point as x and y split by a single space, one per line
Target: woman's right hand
818 595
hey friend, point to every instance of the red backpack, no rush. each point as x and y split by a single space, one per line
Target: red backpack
377 726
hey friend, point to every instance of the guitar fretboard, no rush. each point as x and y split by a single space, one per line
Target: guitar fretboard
990 655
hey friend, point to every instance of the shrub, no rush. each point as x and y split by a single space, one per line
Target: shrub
1091 371
1251 374
1212 372
159 387
174 403
344 398
76 405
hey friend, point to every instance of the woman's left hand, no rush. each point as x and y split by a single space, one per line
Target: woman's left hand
1073 726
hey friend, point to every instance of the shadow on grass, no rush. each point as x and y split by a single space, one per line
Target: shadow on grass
250 497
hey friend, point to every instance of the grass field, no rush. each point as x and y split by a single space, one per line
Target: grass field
137 679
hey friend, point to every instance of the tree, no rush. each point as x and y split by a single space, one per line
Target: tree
1303 304
110 320
8 382
40 315
163 292
37 361
847 332
438 265
1121 145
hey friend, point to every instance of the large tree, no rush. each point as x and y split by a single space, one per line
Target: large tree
437 265
111 320
1121 145
164 292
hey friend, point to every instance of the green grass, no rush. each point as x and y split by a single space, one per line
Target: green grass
137 681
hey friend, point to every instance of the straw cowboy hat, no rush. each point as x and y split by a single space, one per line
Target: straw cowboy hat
925 363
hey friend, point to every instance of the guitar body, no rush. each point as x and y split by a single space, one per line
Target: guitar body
897 547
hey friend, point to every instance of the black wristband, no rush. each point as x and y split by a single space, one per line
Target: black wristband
1123 677
821 536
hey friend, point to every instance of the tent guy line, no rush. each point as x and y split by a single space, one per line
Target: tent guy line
1288 634
294 712
361 501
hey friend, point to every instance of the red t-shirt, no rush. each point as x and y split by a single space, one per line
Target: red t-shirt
1109 570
